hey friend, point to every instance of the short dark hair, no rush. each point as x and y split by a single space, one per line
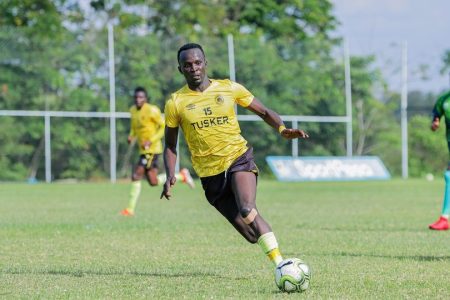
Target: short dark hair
140 89
187 47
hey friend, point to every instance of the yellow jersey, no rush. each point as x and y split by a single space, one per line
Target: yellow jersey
147 124
209 124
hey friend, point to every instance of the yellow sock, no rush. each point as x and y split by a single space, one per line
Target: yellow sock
269 245
134 195
275 256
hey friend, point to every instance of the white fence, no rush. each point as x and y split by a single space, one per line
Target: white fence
47 115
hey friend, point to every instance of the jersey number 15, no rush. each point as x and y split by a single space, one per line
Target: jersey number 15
207 111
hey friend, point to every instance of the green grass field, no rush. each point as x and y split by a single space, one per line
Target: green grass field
362 239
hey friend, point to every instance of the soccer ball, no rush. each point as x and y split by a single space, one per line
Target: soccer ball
292 275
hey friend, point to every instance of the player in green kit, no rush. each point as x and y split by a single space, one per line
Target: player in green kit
204 109
442 108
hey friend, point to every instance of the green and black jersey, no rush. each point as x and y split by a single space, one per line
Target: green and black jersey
442 108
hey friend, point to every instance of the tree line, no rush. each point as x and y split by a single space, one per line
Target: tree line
54 56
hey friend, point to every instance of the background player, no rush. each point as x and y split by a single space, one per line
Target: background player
442 108
147 125
204 108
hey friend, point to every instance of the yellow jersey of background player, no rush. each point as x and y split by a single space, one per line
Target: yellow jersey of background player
147 125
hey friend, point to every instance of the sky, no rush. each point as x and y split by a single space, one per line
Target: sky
380 27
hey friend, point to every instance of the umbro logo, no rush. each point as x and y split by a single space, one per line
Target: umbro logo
190 106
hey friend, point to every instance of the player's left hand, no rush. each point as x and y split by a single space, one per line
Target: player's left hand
170 182
289 133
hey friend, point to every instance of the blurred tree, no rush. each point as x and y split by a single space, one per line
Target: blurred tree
294 19
420 103
54 56
276 41
30 36
428 150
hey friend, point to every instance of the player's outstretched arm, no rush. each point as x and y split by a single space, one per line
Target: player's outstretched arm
274 120
170 158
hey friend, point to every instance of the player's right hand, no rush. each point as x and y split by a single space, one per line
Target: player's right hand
170 182
130 138
435 124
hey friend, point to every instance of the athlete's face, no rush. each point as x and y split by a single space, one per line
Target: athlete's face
139 99
192 65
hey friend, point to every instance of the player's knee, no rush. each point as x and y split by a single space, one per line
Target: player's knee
245 211
447 176
153 182
248 214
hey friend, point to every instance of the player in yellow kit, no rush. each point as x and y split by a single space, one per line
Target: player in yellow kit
147 125
204 109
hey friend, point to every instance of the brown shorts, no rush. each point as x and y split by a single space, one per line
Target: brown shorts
149 161
218 187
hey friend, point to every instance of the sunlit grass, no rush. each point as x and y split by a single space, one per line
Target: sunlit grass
362 240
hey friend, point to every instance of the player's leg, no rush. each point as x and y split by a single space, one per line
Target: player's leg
228 208
219 194
446 205
152 176
151 170
135 189
243 185
185 177
442 223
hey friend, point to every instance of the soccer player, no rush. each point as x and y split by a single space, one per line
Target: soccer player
204 109
147 125
442 108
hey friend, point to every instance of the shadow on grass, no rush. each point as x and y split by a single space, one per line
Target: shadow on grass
399 257
81 273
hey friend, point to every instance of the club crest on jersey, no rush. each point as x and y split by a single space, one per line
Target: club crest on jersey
190 106
220 99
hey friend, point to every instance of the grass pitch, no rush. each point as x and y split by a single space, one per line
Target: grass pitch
363 240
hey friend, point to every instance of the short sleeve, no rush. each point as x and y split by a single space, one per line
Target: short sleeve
241 95
171 114
438 109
